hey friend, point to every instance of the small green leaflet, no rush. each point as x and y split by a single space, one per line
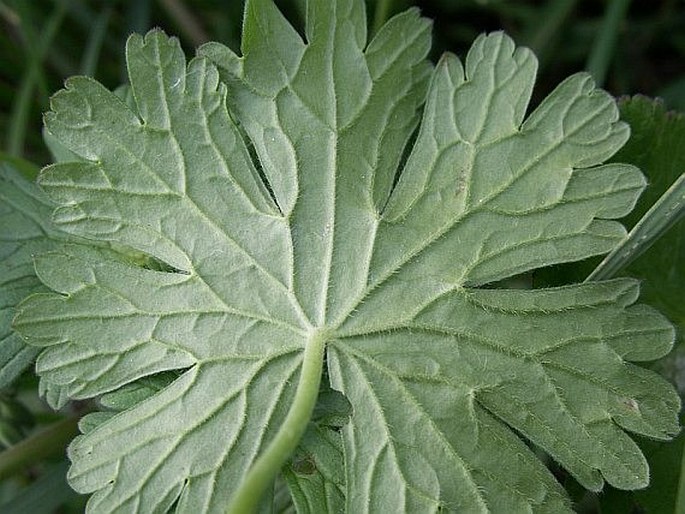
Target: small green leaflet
267 188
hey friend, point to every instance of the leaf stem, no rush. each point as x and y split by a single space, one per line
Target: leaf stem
268 464
45 443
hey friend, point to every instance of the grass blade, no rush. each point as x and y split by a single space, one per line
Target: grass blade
543 38
96 39
21 110
680 499
665 213
603 48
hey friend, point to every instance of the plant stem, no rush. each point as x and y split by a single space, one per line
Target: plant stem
269 463
45 443
680 495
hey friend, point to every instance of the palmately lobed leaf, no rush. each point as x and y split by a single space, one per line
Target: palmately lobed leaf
289 230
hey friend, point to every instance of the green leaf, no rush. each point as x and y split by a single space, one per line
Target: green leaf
45 495
15 421
59 152
25 229
656 147
665 462
667 212
315 474
295 222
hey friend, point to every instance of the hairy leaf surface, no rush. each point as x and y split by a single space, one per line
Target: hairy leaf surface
295 221
25 229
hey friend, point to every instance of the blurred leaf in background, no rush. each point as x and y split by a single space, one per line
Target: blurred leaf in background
43 42
657 146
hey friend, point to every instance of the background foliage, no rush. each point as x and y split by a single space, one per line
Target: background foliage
630 48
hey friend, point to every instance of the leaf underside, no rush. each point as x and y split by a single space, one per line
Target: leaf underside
24 232
267 186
